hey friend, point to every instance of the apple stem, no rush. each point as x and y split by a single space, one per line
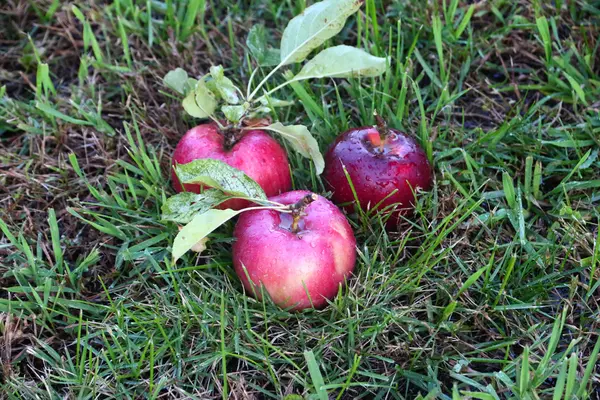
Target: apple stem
382 129
298 207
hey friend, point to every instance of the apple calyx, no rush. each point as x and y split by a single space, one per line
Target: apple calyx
297 210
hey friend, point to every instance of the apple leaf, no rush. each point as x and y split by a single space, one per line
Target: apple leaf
179 81
313 27
342 62
218 175
257 44
200 246
273 102
270 103
301 140
190 85
176 80
234 113
222 86
257 41
182 207
272 57
199 228
200 102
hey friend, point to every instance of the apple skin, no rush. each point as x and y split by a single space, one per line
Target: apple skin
377 171
320 256
256 153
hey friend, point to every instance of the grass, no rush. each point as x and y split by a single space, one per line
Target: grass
490 292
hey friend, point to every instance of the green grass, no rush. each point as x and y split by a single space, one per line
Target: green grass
489 292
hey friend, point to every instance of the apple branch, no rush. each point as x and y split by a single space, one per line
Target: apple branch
269 75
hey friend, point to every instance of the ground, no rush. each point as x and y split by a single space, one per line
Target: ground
490 291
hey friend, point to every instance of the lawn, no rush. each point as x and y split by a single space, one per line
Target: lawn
491 290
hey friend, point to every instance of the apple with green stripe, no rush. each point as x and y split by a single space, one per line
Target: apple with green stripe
254 152
300 256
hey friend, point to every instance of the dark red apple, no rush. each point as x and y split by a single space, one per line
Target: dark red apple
254 152
385 166
289 259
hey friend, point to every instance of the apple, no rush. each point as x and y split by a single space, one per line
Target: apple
385 166
310 250
254 152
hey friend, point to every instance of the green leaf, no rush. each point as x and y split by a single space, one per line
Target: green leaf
234 113
301 140
465 21
576 88
201 102
570 143
559 388
47 109
222 86
182 207
589 370
273 102
478 395
217 174
472 279
270 103
177 80
200 227
571 375
455 394
257 44
544 30
43 80
194 10
524 377
448 310
537 180
509 189
588 163
272 57
313 27
342 62
315 374
78 13
190 85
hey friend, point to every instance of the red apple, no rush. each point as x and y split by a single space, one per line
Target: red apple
315 256
384 168
255 153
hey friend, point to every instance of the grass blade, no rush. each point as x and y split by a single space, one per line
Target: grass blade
315 374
